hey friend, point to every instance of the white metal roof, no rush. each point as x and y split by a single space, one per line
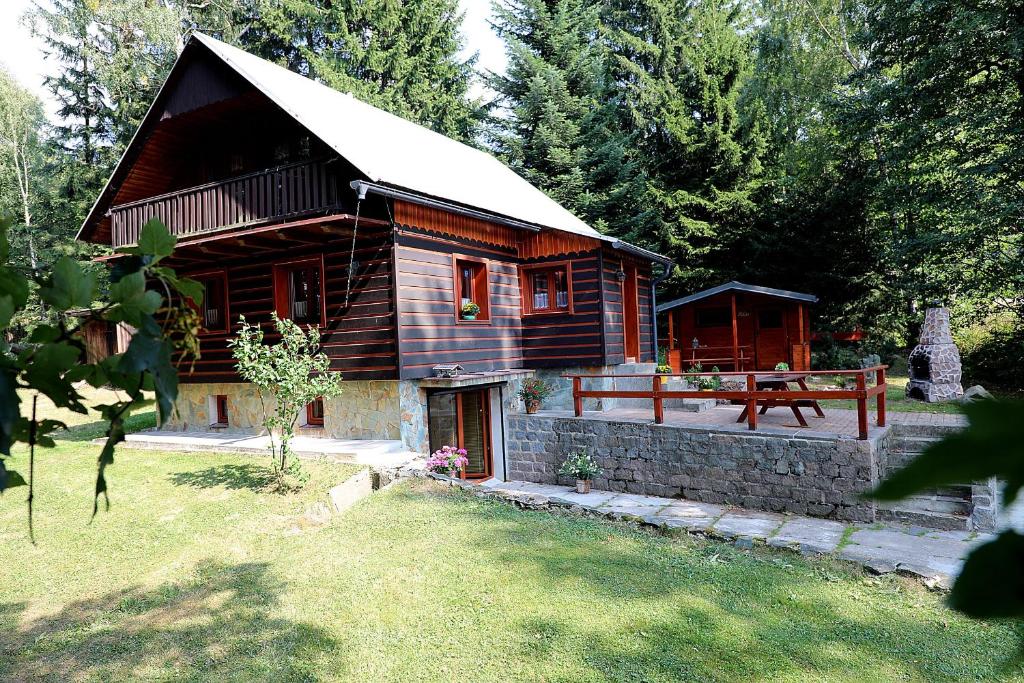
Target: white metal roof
393 151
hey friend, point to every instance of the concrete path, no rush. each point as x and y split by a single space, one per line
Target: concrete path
375 452
935 556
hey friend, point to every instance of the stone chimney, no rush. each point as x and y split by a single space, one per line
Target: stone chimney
935 368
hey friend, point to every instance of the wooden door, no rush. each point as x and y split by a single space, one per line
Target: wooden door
771 339
631 315
463 419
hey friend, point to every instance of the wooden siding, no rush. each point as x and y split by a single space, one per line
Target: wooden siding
448 224
555 243
429 332
614 323
765 351
360 340
568 339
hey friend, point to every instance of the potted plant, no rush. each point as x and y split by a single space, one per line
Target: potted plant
533 392
664 370
448 460
716 380
582 467
470 310
782 367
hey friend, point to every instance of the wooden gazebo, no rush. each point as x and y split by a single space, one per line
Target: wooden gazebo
738 327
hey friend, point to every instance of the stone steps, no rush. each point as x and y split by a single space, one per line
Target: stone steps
946 508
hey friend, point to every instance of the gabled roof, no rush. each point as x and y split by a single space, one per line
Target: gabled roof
394 152
738 287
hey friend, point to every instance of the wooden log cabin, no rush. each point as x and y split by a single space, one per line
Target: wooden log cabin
262 173
738 327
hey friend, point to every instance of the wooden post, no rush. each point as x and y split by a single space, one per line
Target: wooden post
862 406
880 399
659 406
735 338
794 363
577 400
751 403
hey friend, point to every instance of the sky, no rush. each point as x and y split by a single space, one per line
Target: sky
22 55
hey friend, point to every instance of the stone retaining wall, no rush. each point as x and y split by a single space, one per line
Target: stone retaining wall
820 477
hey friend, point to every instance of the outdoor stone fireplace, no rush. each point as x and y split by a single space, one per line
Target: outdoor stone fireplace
935 368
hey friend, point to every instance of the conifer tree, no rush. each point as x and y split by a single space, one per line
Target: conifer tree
556 123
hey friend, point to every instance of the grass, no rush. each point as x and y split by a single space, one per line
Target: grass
199 573
895 398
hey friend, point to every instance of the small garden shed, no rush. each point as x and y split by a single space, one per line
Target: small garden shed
738 327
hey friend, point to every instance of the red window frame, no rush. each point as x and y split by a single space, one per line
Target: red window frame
526 279
282 300
221 403
479 283
315 413
208 276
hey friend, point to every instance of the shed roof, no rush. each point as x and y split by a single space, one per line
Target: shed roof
392 151
738 287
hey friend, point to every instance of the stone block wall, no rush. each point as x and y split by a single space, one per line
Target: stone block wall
819 477
364 410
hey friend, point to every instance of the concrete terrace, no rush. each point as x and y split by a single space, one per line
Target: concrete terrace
837 423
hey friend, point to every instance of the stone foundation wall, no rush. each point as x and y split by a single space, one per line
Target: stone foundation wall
364 410
822 478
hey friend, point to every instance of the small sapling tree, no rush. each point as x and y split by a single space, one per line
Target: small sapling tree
288 375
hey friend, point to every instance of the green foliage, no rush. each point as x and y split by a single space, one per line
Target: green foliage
991 584
534 390
580 465
288 374
829 354
991 350
52 359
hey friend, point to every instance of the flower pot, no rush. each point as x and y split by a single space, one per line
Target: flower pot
664 380
467 316
532 407
583 486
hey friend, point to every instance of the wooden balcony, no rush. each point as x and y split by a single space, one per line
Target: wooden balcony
275 194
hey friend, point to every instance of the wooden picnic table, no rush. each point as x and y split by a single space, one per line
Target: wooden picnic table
779 381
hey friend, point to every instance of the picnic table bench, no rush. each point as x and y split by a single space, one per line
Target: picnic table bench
780 381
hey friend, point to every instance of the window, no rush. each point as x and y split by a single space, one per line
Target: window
769 318
315 413
298 291
547 288
720 316
214 309
471 287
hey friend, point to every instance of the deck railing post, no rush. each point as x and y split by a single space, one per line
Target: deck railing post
751 402
577 400
659 406
862 406
880 400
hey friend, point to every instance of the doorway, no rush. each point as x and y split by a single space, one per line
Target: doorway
771 340
631 315
462 419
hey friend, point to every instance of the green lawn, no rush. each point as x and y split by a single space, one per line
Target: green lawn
199 573
895 398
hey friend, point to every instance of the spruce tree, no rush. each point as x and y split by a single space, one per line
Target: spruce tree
556 123
679 69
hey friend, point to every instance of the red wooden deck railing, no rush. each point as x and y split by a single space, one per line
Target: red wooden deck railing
709 356
750 395
263 196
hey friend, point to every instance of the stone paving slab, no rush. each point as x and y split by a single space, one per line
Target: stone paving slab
743 524
809 535
936 556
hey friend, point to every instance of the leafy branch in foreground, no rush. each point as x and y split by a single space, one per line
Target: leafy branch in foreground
147 298
288 375
991 584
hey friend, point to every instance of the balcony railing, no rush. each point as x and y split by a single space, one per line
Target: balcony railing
261 197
